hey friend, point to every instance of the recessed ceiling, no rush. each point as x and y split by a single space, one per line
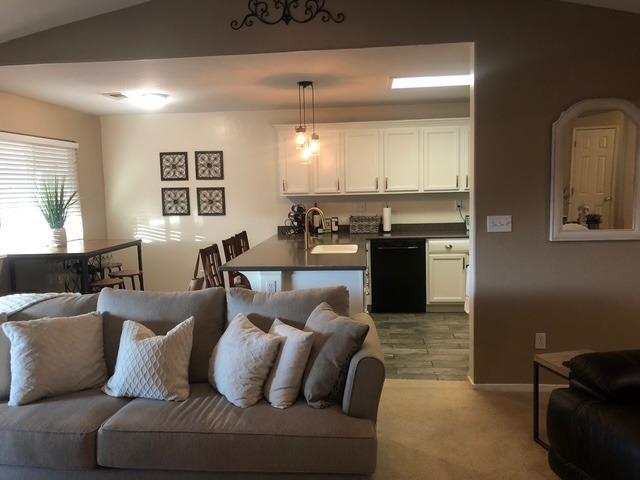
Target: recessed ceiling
247 82
625 5
23 17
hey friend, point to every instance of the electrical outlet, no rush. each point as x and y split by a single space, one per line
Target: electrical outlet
541 341
458 204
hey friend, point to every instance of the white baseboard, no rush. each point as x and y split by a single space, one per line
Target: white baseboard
513 387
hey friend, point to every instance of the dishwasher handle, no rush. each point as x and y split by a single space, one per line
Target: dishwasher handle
413 247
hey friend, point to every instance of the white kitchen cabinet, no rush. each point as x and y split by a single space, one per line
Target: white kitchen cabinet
296 178
441 158
326 178
401 160
362 161
465 158
447 278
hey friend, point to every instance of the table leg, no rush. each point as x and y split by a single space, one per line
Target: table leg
141 277
84 275
12 275
536 407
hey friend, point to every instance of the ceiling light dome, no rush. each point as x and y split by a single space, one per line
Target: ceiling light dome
149 101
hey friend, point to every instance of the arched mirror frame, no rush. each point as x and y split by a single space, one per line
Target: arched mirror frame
560 128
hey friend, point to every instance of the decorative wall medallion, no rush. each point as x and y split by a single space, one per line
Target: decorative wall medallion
175 201
272 12
174 166
211 201
209 165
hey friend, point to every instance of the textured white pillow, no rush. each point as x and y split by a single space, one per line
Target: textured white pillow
241 362
53 356
283 385
152 366
5 362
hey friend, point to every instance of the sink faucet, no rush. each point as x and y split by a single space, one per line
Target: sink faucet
307 233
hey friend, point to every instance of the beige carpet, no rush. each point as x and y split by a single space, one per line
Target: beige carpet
436 430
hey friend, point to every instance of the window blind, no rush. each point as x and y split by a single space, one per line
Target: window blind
25 162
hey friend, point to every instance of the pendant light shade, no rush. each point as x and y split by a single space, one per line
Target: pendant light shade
309 144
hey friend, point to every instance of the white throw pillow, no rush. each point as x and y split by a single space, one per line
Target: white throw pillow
5 362
241 362
283 385
53 356
152 366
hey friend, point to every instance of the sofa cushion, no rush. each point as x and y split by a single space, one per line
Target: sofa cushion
160 312
208 433
5 360
60 306
59 432
292 307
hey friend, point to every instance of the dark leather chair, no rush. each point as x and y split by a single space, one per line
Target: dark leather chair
594 425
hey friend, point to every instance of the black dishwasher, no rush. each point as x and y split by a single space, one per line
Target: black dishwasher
398 276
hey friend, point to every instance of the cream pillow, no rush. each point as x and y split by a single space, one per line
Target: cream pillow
152 366
241 362
283 385
5 362
53 356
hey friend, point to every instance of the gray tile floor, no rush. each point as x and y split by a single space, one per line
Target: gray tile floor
429 346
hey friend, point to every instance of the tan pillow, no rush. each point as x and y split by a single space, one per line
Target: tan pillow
283 385
53 356
152 366
336 340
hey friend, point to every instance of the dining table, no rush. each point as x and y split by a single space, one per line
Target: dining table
81 251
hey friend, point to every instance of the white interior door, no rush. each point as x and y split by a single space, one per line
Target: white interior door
401 160
592 173
441 158
362 160
327 164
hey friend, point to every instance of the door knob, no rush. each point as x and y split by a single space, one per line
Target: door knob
608 199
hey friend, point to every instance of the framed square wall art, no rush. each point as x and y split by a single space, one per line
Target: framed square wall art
211 201
174 166
210 165
175 201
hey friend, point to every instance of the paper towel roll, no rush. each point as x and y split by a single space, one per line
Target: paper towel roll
386 219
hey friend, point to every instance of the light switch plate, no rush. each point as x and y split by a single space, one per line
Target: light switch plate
498 223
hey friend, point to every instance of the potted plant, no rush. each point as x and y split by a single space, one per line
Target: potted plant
54 205
593 221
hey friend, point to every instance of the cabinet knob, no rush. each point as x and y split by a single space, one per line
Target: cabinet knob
448 246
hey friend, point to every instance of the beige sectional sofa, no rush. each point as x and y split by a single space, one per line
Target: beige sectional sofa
88 434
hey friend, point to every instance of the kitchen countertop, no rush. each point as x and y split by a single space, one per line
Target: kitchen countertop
284 252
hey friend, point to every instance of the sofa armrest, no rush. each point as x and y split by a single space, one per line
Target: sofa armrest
366 376
613 375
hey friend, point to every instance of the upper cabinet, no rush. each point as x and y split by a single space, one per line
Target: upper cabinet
361 161
379 158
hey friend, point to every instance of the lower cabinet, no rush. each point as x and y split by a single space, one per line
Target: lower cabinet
447 271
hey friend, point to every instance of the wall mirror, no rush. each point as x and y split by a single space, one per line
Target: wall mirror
595 170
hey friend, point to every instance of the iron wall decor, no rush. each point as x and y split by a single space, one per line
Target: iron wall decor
174 166
272 12
175 201
209 165
211 201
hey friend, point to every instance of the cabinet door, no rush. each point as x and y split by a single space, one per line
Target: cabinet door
465 158
362 161
447 278
401 160
441 158
327 164
295 174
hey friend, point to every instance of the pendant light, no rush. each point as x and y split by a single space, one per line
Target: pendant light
308 144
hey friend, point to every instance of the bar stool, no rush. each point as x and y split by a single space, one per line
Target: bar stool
231 249
131 275
108 267
242 240
211 263
107 283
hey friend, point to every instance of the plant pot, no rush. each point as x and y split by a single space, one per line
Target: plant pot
58 237
593 226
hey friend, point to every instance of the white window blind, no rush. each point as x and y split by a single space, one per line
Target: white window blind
25 162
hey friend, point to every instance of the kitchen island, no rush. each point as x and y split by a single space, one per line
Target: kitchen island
282 263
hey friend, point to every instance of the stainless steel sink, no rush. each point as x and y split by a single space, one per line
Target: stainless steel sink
334 249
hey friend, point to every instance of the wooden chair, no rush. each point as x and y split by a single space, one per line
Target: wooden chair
242 240
107 282
211 263
131 275
231 247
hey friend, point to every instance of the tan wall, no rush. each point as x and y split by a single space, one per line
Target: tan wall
131 144
533 60
31 117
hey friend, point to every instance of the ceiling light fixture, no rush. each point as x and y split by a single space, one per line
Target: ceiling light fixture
149 101
309 144
431 82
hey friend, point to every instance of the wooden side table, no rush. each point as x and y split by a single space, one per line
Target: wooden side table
552 362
